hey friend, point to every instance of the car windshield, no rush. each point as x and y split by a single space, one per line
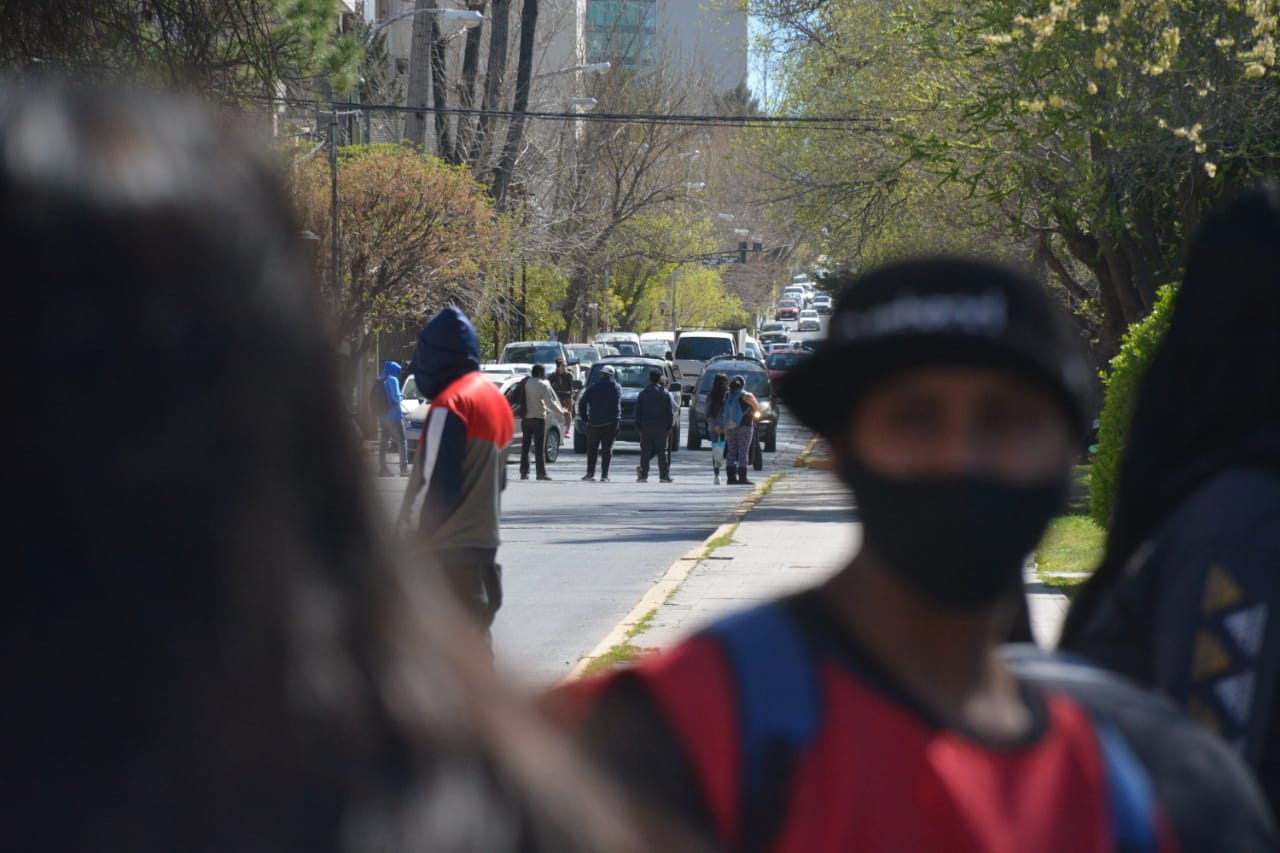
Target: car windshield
530 354
772 327
757 379
584 354
657 349
785 360
701 349
628 375
787 303
627 348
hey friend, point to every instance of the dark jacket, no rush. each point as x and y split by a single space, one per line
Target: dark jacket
447 350
601 403
561 383
653 408
1196 614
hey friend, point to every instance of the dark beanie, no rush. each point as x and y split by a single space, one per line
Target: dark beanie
937 312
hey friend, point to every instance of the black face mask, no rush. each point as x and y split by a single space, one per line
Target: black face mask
959 542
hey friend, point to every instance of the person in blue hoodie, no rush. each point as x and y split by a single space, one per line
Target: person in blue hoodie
391 423
459 470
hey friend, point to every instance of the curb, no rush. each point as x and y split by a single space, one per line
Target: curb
675 576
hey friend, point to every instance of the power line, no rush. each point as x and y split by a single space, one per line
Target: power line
837 123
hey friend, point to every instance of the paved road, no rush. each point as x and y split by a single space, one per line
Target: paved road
577 556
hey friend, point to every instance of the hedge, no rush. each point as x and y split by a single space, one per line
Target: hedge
1137 349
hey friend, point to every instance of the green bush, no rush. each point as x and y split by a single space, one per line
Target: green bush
1127 369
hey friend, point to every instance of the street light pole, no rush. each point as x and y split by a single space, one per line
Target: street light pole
468 17
333 207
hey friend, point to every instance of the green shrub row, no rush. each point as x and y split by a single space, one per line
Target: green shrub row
1128 367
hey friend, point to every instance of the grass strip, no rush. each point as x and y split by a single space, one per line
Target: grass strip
620 654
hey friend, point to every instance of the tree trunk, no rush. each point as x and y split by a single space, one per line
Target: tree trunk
499 39
419 94
440 90
467 92
524 76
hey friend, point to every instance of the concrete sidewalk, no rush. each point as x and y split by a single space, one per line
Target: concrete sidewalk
796 536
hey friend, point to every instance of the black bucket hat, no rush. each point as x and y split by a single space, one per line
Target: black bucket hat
937 312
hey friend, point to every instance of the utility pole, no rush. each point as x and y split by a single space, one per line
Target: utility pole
333 207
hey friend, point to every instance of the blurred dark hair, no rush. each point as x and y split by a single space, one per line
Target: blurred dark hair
207 645
1211 397
717 395
538 371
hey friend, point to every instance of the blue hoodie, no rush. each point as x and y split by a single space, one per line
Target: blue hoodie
390 379
447 350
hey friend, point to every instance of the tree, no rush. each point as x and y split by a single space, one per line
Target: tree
1089 135
230 48
414 234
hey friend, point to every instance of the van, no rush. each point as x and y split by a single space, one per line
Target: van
626 343
694 349
658 344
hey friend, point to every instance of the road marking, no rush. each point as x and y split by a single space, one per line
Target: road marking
671 580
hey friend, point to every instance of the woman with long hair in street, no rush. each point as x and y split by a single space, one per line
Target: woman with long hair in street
715 421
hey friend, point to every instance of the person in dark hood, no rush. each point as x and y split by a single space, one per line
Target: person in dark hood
1188 594
391 422
876 712
459 471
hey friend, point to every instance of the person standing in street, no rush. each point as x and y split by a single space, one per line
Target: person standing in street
740 410
675 418
391 423
876 712
601 408
540 401
453 501
653 422
714 416
561 381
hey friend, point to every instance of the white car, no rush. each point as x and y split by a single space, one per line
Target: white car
809 321
506 384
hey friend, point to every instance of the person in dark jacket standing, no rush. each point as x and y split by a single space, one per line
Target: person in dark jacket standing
601 408
561 381
391 422
653 422
1188 595
459 472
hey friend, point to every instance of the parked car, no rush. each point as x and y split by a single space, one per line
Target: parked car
535 352
627 343
758 384
787 309
585 355
693 349
507 385
658 344
809 321
782 360
822 303
632 373
796 292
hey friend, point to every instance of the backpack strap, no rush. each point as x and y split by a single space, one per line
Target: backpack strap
780 711
1131 800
